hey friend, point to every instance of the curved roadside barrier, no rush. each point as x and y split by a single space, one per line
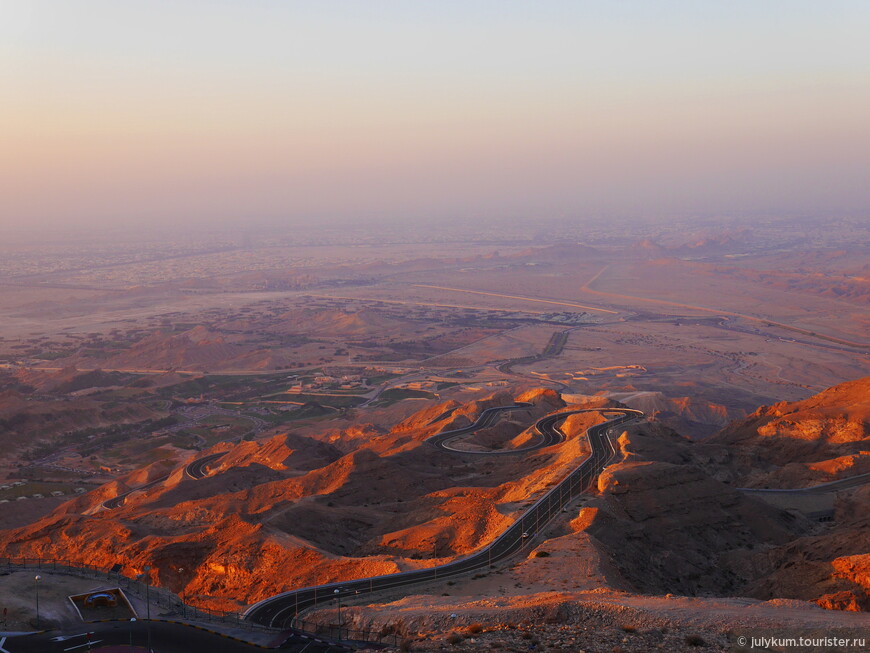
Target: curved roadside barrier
281 610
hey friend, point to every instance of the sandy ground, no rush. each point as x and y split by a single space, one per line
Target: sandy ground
747 362
514 343
680 282
595 619
425 613
571 589
607 623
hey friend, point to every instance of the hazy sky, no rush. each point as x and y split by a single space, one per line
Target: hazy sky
229 110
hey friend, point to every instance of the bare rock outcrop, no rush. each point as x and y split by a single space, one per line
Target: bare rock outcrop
677 530
823 437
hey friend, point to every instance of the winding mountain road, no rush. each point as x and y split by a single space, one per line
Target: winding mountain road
118 501
487 418
823 488
816 502
195 470
281 610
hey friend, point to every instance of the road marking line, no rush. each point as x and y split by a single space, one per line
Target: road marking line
89 644
2 642
63 638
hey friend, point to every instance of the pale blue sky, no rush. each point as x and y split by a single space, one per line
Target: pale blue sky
128 110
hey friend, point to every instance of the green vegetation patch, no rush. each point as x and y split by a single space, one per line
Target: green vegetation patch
381 378
393 395
326 400
36 487
396 394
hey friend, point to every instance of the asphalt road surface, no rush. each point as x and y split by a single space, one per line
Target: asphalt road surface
799 498
116 502
195 470
160 637
279 611
164 637
552 349
547 435
487 418
824 488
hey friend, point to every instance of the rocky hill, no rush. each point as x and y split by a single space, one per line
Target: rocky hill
801 443
346 506
677 530
672 513
666 518
691 416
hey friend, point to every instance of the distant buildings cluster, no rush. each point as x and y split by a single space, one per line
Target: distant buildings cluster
37 495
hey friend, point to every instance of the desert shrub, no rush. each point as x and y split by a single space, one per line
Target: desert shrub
542 554
629 629
695 640
474 629
454 638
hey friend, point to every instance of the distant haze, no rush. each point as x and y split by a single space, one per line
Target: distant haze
236 112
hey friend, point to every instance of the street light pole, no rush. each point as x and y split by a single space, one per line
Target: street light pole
147 574
181 593
37 579
338 597
147 587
